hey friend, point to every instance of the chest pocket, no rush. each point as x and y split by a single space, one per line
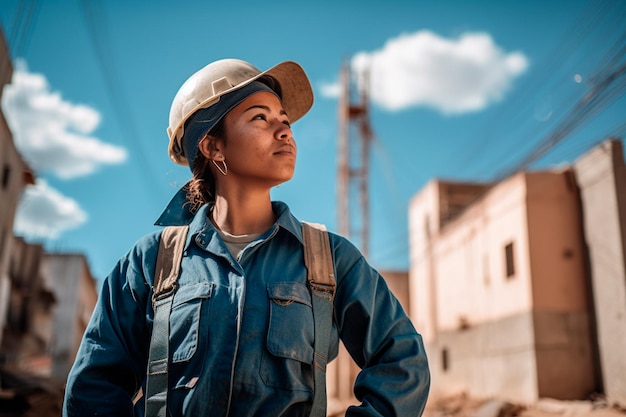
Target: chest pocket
290 336
189 307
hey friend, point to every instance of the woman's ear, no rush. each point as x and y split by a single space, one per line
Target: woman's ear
209 146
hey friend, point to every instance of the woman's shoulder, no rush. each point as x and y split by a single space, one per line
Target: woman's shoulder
342 243
147 243
345 253
143 252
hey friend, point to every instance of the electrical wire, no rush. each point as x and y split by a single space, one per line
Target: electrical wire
598 21
98 30
22 27
590 105
20 33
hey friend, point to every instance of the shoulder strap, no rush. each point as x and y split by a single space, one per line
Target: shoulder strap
170 254
169 257
320 274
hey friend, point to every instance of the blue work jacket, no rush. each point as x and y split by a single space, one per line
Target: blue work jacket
241 331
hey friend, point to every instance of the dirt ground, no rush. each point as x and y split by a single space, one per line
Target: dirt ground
463 406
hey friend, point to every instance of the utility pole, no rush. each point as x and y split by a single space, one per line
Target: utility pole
354 156
353 167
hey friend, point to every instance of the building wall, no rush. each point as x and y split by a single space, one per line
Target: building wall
557 267
18 343
470 263
69 278
14 176
8 198
492 331
479 330
601 176
423 225
559 287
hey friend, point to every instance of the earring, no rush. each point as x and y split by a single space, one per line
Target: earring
224 170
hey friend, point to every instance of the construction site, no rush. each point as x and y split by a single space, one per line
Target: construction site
517 283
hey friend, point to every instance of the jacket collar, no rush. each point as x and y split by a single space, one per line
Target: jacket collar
177 213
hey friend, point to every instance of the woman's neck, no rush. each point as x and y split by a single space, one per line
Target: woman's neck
243 214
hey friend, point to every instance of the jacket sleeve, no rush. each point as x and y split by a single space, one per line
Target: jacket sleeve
394 378
111 360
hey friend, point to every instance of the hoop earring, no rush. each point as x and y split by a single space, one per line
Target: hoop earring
224 170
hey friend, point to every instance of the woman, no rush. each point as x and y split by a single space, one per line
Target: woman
241 339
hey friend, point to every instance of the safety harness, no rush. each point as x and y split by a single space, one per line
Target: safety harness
319 263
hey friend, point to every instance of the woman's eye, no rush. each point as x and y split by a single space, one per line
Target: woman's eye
286 122
259 117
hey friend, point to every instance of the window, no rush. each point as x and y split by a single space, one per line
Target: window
6 176
445 359
510 261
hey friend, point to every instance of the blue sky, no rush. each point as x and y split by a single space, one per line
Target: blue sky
459 90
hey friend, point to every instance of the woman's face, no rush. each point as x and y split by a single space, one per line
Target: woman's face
259 146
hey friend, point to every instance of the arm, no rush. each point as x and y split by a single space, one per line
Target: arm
395 379
110 363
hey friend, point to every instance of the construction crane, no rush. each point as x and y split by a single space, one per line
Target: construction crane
355 137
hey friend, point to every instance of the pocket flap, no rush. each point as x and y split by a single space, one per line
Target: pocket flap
190 292
289 291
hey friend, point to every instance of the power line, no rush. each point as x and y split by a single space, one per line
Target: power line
98 31
592 103
599 20
22 27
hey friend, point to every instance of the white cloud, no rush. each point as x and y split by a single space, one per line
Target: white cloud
43 212
52 134
331 90
450 75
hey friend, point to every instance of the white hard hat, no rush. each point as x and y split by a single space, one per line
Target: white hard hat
204 89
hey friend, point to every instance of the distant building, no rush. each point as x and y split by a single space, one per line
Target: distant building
30 308
45 300
601 176
15 175
69 278
501 281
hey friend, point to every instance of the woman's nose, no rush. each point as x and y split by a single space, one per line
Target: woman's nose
283 132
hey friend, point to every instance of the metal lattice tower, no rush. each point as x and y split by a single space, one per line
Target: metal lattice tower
355 136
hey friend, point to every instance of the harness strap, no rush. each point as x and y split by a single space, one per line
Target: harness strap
319 263
166 274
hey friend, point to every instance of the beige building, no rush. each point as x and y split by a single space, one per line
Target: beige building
15 175
51 300
30 308
45 299
69 278
500 284
601 176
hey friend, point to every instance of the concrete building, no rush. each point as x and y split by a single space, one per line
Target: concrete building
25 368
69 278
15 175
30 308
51 300
500 284
601 176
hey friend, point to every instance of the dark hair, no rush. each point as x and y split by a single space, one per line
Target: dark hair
201 188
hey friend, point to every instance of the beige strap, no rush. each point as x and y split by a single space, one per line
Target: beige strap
168 260
317 256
